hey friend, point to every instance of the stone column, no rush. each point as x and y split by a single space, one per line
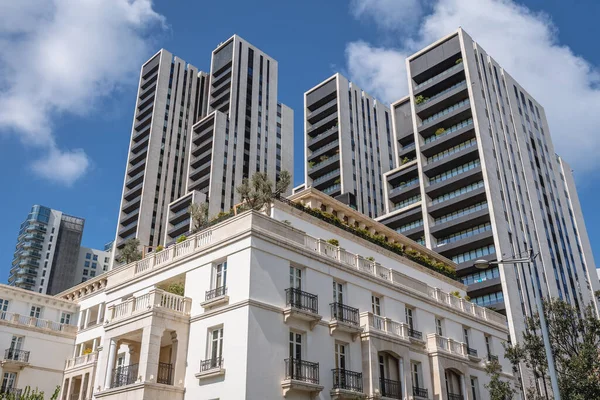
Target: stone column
70 388
90 389
65 390
463 387
403 380
81 388
81 348
112 355
87 318
95 344
150 353
100 313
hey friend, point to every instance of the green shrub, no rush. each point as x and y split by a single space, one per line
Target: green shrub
159 248
458 61
405 160
455 293
181 238
176 288
370 259
439 131
334 242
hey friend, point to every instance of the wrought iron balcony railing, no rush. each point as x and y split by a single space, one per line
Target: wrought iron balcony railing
300 370
300 300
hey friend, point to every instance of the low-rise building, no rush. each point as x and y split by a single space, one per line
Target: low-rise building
37 335
284 303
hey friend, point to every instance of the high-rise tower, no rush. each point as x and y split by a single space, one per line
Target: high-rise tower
480 179
170 98
348 139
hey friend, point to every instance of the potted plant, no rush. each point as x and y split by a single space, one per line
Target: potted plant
333 242
159 248
439 131
181 238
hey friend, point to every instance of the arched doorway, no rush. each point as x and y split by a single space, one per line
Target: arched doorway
454 384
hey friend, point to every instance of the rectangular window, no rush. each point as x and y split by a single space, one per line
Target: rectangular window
65 318
94 265
295 345
296 278
95 257
466 336
86 264
85 272
88 256
92 273
438 327
409 314
36 311
340 355
488 345
17 343
338 292
215 345
376 305
474 388
3 308
220 275
8 380
417 374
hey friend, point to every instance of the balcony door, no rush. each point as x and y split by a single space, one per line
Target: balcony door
340 356
220 279
338 292
216 347
296 278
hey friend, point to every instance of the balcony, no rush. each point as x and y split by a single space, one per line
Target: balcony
420 392
135 180
440 99
19 358
322 125
81 361
136 168
344 319
379 324
323 138
472 354
390 389
131 217
452 71
326 108
131 193
155 300
346 384
215 297
211 368
131 205
125 375
491 358
414 334
128 229
180 228
453 396
165 373
440 344
301 376
327 179
136 158
25 320
327 164
322 150
302 306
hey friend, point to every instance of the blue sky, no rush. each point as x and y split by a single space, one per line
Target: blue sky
64 135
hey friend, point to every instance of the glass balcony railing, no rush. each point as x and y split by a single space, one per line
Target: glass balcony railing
455 237
452 150
441 74
445 111
455 171
326 177
332 189
443 92
408 227
448 131
457 192
465 211
407 202
323 162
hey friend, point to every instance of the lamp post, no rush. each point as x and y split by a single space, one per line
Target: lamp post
484 264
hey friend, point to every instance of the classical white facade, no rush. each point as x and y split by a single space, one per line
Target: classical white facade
37 334
271 310
91 263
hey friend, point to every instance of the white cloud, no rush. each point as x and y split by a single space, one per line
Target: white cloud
62 167
59 57
524 43
396 15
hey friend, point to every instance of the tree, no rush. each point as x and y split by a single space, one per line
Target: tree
130 252
499 389
283 182
199 214
575 341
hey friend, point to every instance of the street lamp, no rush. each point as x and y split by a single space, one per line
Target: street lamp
484 264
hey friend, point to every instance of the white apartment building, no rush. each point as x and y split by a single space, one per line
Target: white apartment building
37 335
90 263
45 258
348 141
482 180
271 309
